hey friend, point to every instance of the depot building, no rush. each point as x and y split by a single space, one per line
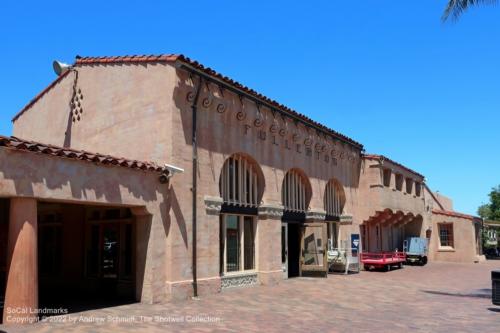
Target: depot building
154 178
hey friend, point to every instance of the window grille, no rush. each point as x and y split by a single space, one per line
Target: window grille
294 192
334 198
239 182
446 234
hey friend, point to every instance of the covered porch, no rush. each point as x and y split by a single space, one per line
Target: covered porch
77 230
386 230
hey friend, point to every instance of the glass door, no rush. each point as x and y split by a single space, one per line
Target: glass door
284 249
110 250
313 244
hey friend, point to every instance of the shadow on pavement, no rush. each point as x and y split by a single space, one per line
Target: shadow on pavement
494 309
482 293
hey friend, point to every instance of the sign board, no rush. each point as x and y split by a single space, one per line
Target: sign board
355 244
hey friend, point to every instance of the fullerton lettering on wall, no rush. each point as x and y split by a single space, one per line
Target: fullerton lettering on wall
319 152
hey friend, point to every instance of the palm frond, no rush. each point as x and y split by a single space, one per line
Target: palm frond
455 8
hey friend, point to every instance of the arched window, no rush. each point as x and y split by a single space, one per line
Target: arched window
334 198
241 187
239 182
295 193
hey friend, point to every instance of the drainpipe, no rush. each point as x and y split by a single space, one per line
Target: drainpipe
237 91
194 141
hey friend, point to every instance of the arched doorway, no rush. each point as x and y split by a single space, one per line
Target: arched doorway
303 243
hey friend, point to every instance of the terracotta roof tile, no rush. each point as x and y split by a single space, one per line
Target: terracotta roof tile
169 58
81 61
80 155
455 214
382 157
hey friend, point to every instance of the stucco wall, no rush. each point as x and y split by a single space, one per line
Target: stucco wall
464 248
47 119
144 112
377 197
446 202
125 112
234 128
54 179
380 203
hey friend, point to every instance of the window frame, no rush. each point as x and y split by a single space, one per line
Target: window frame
332 235
97 219
241 238
50 222
450 242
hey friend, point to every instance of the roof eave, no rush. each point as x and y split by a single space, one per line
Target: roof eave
181 63
384 158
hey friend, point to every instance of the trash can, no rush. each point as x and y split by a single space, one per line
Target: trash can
495 290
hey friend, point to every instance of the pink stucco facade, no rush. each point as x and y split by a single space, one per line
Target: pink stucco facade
143 110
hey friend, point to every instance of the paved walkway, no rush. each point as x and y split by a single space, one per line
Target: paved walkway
440 297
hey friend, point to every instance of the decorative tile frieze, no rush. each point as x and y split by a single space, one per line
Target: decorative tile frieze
270 211
213 205
240 280
315 215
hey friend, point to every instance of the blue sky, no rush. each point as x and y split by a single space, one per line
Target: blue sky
386 73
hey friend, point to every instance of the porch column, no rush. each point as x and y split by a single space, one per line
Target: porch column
21 294
268 244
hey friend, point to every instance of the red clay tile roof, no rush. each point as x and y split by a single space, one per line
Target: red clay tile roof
81 155
135 59
382 157
81 61
454 214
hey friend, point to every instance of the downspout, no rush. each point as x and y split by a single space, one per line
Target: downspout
194 141
260 101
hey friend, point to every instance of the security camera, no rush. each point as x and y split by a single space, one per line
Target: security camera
172 170
164 177
168 172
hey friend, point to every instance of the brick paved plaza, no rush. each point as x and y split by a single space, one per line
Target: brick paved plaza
440 297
